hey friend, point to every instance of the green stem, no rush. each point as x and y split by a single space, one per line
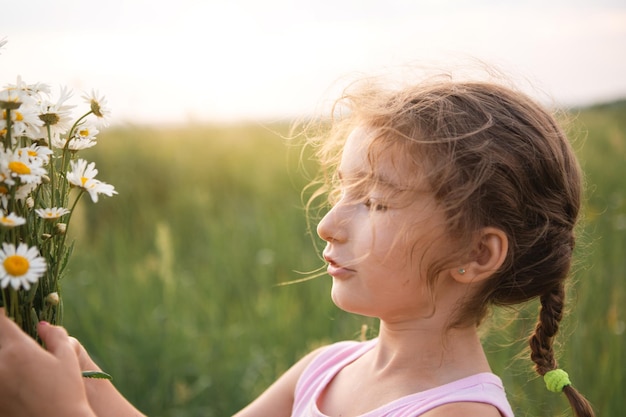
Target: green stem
15 310
51 168
69 216
71 132
61 245
66 150
7 138
4 299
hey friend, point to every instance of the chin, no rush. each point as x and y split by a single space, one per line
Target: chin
349 304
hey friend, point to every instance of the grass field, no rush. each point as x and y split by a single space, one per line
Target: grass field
173 285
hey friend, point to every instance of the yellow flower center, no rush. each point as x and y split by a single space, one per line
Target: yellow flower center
4 189
19 167
7 221
83 180
31 153
16 265
18 116
83 132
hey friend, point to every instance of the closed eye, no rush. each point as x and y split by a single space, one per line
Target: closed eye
374 205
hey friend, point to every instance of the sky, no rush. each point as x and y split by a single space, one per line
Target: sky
184 61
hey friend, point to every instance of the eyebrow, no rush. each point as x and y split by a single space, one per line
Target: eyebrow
379 179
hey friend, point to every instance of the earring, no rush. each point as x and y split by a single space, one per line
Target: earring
461 271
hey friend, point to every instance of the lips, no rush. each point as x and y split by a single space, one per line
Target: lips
336 270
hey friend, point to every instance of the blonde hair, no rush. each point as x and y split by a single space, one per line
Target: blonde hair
492 156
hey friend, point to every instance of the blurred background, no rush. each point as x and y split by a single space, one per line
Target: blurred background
191 60
174 284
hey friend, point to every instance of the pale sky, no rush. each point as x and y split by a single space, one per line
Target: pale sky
177 61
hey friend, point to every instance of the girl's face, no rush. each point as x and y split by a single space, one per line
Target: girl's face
379 243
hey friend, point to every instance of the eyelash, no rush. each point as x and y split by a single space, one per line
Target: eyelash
369 202
374 206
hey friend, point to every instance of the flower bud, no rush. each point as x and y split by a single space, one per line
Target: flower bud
61 228
52 299
30 203
45 179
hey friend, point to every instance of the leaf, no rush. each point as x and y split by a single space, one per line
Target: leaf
66 258
97 375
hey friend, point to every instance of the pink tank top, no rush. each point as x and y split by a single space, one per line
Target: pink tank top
483 387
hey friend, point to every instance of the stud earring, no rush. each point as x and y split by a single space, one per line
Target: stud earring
461 271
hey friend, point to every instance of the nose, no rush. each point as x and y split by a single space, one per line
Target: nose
332 227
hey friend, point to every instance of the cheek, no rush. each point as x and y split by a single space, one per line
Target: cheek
410 250
395 257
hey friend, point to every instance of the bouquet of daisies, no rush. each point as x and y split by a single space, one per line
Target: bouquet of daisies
42 178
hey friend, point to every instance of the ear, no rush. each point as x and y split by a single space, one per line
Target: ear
486 257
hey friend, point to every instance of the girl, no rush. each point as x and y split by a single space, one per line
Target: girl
447 198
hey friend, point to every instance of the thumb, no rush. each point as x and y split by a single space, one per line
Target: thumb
56 340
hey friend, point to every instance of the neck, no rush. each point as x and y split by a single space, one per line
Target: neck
446 354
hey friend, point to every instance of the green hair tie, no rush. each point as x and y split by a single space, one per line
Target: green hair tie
556 380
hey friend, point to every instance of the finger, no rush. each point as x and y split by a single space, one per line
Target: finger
78 348
8 328
56 339
84 360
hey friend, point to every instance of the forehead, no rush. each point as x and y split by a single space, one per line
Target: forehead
368 154
354 158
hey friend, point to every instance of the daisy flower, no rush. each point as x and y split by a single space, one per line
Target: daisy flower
51 213
20 165
24 119
76 143
34 92
35 151
98 105
57 116
11 99
21 266
84 137
86 132
11 220
14 95
80 172
83 176
21 193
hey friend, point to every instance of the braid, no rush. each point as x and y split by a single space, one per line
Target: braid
541 341
580 405
550 316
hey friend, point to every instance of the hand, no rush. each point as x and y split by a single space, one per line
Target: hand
36 382
84 360
104 399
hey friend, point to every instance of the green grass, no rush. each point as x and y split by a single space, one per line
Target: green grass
173 285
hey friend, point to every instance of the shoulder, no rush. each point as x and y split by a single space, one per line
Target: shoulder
278 399
464 408
331 355
344 348
335 355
